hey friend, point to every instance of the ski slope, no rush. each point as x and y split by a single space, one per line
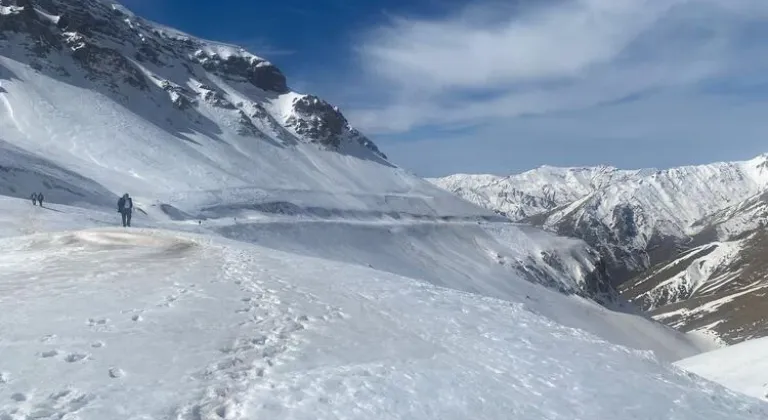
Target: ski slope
741 367
151 324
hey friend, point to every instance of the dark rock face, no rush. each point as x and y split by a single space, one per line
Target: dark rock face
42 39
621 261
323 123
217 99
624 218
259 73
106 63
318 120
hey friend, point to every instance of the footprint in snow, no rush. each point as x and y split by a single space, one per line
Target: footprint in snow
75 357
137 318
116 373
61 405
98 344
48 354
93 322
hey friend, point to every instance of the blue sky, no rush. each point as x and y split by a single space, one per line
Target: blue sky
492 86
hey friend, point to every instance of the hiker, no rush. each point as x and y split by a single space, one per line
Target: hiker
34 199
40 199
125 208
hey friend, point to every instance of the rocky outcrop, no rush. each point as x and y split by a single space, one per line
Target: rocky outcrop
260 73
323 123
317 120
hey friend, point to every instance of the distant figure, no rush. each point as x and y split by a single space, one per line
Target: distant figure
125 208
34 199
40 199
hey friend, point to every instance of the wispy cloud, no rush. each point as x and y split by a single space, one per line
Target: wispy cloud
492 62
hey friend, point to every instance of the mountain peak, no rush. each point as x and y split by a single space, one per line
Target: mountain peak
112 48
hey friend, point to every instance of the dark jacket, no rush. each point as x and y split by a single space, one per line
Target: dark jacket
121 204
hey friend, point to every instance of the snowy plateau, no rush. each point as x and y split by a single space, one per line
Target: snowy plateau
279 265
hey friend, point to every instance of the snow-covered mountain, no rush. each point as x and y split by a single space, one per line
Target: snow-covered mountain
89 90
533 192
690 240
635 218
719 283
96 101
279 265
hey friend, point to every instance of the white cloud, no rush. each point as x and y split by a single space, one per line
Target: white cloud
558 42
567 55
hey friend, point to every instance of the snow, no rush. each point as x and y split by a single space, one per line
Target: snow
741 367
534 191
129 144
706 274
745 216
51 18
148 323
706 339
268 277
668 202
7 10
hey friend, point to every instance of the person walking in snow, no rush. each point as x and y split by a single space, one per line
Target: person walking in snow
125 208
34 199
40 199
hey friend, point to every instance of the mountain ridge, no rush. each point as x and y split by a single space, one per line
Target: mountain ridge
673 239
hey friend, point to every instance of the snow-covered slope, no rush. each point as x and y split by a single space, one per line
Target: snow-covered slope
90 91
165 324
635 218
95 101
718 287
534 192
741 367
687 244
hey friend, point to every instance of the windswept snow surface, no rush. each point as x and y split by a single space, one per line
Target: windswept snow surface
153 324
742 367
